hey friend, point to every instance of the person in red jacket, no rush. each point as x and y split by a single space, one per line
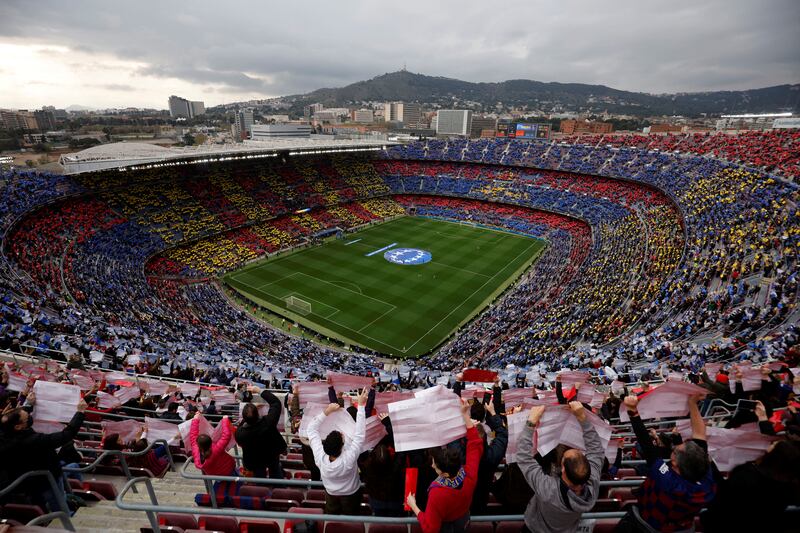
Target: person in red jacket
212 459
450 494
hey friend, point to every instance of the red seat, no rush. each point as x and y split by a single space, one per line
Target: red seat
75 484
626 472
344 527
388 528
278 505
480 527
226 524
288 494
22 513
259 526
605 525
183 521
621 493
256 491
300 510
312 504
105 488
509 527
315 494
607 505
302 474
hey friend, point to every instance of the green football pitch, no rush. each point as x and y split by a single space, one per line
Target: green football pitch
349 291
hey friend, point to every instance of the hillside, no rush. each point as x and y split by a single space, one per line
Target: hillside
549 97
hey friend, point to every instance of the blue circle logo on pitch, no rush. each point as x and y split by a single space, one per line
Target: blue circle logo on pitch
407 256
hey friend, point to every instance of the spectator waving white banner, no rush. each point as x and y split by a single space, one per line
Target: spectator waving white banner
126 394
126 429
731 447
161 429
55 402
669 399
426 421
559 426
348 382
107 401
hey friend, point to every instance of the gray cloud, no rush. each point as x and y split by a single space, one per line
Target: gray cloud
271 48
116 87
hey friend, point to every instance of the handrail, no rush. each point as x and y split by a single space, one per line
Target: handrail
122 454
153 508
58 493
310 483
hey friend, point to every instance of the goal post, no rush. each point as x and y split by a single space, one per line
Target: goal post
297 305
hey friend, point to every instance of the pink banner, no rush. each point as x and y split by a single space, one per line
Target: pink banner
348 382
127 429
161 429
668 400
426 421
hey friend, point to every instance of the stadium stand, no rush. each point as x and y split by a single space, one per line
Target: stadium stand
672 262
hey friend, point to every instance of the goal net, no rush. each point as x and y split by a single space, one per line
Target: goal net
294 303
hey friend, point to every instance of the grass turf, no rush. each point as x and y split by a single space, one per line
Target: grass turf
398 310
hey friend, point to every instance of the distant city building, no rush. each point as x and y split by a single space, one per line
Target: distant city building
571 126
242 124
453 122
197 108
270 131
786 123
60 114
181 107
18 120
363 116
45 120
749 121
479 124
409 113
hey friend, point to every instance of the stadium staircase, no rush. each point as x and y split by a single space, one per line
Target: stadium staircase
105 517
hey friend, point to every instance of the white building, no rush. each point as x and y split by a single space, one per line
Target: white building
410 114
453 122
364 116
268 131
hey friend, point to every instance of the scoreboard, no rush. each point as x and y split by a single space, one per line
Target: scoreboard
523 130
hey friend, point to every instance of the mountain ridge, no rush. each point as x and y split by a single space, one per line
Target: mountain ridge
440 91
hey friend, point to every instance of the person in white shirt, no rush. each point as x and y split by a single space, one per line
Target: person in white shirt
337 458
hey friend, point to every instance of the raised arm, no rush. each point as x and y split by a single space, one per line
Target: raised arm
225 438
698 424
274 413
352 449
649 452
194 431
58 439
594 448
314 440
530 468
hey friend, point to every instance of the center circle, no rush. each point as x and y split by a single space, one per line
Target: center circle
407 256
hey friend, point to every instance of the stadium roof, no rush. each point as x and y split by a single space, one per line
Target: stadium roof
124 155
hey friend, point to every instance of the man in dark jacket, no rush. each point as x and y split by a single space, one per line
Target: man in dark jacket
25 450
260 438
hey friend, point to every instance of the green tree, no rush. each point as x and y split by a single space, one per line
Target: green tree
188 140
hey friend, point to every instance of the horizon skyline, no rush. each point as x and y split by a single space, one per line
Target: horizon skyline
110 55
121 106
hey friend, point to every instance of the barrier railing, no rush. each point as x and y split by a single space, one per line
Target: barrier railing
153 508
308 483
123 455
63 515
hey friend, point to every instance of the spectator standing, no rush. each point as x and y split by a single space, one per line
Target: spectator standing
450 494
674 491
260 439
25 450
337 460
212 459
558 503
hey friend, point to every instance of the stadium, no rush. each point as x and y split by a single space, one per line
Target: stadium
630 259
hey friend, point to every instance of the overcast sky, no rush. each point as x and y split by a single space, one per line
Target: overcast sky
136 53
